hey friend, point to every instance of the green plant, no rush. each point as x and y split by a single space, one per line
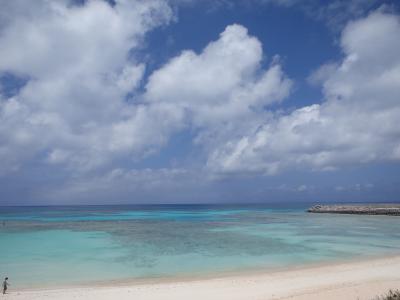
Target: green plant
391 295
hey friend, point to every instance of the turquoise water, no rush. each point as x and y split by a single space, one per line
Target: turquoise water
68 245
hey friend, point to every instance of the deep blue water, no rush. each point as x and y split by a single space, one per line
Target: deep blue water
74 244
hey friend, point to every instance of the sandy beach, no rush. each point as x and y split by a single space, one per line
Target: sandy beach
351 280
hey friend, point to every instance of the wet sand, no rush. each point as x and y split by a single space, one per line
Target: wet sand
346 280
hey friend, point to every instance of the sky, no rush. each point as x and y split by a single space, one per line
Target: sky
199 101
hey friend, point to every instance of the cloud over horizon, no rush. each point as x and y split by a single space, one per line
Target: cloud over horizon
356 123
89 108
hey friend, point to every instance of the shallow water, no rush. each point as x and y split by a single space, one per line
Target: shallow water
44 246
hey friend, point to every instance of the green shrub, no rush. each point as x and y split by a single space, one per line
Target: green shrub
391 295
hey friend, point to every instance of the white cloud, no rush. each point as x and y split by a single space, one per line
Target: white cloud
355 187
79 62
126 186
76 40
357 123
80 68
224 88
81 65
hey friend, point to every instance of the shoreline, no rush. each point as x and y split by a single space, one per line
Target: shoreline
224 274
364 278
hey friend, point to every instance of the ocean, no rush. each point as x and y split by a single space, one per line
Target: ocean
61 246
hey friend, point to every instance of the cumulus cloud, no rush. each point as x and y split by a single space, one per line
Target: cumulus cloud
80 67
79 63
224 88
84 103
357 122
124 186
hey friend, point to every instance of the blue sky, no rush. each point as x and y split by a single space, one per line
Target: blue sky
199 101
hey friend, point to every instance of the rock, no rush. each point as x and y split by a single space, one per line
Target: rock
359 209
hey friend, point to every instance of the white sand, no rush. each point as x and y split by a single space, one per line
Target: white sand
345 281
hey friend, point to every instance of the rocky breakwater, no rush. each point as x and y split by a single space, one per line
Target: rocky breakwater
359 209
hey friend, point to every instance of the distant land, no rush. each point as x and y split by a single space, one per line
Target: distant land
390 209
